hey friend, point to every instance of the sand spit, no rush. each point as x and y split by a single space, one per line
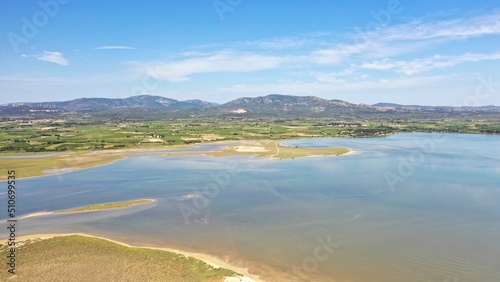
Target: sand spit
250 149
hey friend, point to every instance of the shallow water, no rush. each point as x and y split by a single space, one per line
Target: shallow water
408 207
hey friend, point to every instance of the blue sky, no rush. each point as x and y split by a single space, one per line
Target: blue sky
406 51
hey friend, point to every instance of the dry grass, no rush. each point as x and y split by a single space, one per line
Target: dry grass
81 258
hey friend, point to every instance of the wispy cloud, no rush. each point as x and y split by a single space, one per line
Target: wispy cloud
376 49
335 77
450 29
52 57
426 64
20 80
325 88
225 61
406 38
113 47
285 43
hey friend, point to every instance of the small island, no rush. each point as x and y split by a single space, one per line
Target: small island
276 150
270 149
108 206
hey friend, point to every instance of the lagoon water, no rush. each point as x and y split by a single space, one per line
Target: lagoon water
407 207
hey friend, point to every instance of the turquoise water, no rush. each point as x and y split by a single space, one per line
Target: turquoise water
408 207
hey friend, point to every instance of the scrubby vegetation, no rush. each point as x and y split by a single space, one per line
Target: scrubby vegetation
82 258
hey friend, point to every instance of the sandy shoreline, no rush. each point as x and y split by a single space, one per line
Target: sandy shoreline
44 213
208 259
36 214
351 152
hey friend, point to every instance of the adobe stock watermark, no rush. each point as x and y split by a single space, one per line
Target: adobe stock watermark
30 27
148 84
484 90
200 199
223 6
408 164
322 252
381 19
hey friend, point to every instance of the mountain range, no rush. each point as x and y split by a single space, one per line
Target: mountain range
273 105
106 104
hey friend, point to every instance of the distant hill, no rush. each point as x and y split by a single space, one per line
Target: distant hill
105 104
146 107
286 102
286 105
387 105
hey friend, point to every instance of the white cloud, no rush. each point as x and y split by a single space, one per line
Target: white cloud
330 56
373 49
225 61
21 80
53 57
406 38
334 77
327 88
325 64
279 43
426 64
114 48
450 29
329 78
17 80
384 64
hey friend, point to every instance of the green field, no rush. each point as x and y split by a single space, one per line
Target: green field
63 136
